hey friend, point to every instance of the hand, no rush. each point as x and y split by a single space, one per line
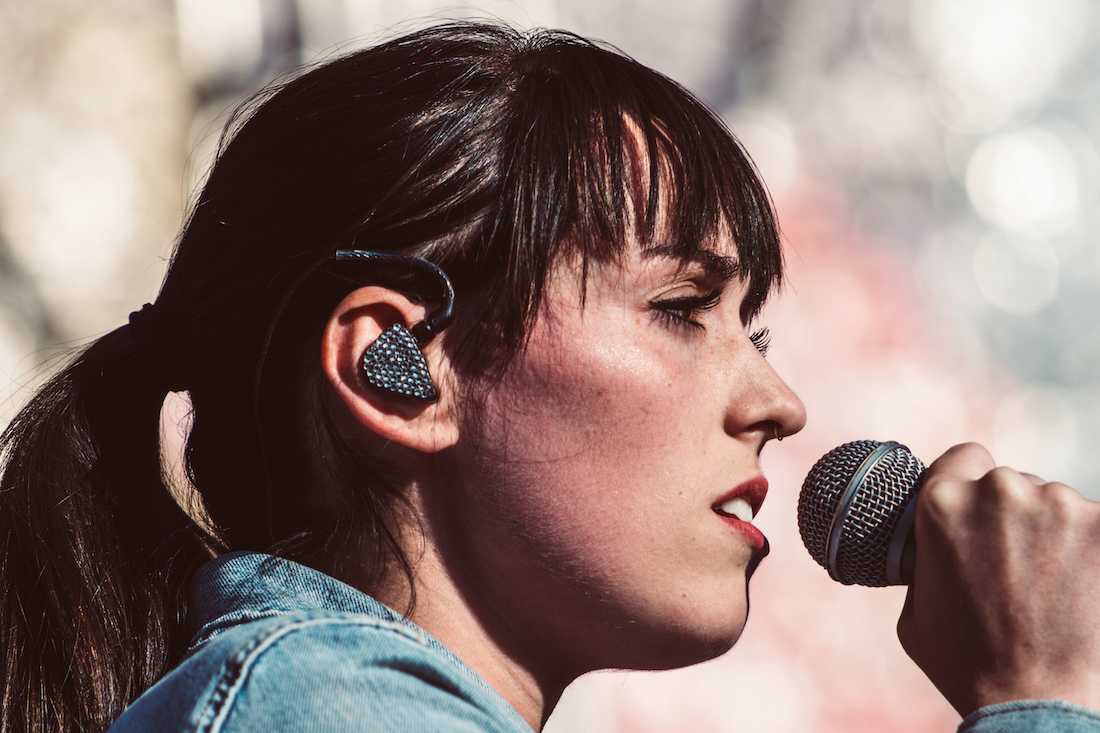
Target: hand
1005 598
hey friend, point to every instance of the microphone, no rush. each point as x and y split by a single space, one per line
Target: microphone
855 512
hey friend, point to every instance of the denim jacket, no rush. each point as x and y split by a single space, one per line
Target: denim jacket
279 646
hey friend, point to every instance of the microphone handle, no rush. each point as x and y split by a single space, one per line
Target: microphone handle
909 557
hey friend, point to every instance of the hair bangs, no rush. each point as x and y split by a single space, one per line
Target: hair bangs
641 159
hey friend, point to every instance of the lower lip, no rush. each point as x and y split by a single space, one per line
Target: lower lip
747 530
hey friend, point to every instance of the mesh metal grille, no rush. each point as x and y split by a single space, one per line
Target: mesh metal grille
821 493
868 526
394 363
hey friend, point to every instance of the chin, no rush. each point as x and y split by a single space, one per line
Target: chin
687 638
684 650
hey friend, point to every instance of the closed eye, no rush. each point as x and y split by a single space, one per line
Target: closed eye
679 313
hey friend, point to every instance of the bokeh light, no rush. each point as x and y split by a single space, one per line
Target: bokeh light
996 57
1014 278
1025 181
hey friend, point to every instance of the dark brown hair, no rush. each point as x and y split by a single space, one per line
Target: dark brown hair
491 152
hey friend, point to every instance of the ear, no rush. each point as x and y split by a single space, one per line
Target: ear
354 324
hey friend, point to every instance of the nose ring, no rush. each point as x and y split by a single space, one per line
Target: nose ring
777 435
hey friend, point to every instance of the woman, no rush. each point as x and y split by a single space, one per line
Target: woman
575 247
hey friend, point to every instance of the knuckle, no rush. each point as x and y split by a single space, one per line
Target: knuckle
1007 484
1061 489
1001 476
971 449
1062 496
962 459
938 498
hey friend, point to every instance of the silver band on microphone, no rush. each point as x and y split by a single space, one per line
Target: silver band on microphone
836 526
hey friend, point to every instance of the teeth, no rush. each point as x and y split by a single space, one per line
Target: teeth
739 508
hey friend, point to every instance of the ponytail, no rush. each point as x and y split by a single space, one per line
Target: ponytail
95 553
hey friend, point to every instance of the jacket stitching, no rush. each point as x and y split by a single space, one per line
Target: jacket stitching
235 671
220 625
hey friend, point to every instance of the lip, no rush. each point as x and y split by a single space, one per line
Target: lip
749 531
753 491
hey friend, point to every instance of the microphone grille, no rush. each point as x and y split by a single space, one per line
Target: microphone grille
865 528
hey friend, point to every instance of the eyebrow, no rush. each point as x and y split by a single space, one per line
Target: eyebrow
717 266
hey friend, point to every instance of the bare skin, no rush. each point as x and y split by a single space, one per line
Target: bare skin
520 563
570 527
1006 587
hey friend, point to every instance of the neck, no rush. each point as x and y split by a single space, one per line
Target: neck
495 646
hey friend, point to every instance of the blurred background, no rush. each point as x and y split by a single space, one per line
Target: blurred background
934 167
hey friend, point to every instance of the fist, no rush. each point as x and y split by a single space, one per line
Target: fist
1004 603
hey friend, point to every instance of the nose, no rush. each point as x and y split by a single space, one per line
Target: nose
764 402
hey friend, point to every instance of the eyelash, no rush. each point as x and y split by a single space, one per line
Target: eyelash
677 313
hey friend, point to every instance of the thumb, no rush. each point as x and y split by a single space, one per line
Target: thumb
905 628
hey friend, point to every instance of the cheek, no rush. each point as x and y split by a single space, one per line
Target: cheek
595 469
578 407
599 452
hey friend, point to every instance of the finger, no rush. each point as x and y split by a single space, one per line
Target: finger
968 461
1038 481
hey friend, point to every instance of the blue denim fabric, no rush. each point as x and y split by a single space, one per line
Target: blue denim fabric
279 646
1031 716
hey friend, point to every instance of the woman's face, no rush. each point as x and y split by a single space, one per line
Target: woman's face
584 511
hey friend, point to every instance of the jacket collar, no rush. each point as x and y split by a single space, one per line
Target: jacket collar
243 586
